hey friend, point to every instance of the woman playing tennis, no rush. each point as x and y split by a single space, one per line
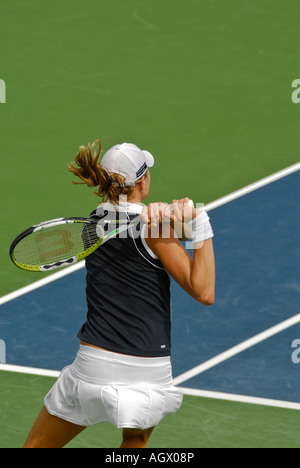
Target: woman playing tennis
122 373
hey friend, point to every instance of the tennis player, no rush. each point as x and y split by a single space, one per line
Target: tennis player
122 373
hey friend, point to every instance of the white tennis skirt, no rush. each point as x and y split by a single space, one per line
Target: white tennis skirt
102 386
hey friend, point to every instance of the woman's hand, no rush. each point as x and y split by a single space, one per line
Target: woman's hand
155 213
178 214
181 213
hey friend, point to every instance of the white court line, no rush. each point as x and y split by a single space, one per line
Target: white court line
241 398
252 187
29 370
186 391
210 206
237 349
38 284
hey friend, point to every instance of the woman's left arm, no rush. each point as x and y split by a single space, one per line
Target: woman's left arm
195 275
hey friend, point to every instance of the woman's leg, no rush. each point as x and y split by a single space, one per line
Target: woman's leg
136 438
51 432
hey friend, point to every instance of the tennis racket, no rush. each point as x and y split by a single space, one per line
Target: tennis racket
61 242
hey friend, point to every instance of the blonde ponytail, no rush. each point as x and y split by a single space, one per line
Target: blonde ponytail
89 170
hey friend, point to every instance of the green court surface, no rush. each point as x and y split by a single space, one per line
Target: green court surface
205 85
219 424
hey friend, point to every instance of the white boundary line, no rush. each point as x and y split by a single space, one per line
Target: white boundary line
252 187
241 398
38 284
29 370
210 206
229 353
186 391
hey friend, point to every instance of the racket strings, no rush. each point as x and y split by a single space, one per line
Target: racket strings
56 243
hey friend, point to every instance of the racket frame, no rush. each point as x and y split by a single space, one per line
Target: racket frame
123 225
61 263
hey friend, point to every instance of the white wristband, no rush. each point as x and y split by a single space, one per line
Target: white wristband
200 228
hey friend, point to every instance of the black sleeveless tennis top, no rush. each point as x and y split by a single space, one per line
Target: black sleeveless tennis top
128 293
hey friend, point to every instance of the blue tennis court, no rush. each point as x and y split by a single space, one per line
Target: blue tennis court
258 287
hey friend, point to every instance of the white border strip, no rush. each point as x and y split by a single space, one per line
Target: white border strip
187 391
237 349
210 206
29 370
252 187
241 398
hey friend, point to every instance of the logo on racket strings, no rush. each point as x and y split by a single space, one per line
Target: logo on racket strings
51 244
